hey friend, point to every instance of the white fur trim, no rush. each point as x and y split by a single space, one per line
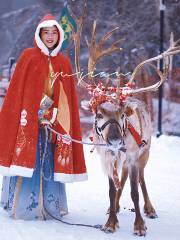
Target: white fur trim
4 171
39 42
68 178
16 171
20 171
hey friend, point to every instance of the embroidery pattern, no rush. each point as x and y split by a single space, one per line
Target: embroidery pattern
64 150
21 139
33 202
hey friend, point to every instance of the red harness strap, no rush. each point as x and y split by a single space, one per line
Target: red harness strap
136 135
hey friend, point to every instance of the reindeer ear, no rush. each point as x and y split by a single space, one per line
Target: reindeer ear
128 111
85 105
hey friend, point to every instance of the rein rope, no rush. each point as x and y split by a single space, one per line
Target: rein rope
75 140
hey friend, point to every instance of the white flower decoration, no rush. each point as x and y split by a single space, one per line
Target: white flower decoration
23 120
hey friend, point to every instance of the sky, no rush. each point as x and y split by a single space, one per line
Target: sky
88 202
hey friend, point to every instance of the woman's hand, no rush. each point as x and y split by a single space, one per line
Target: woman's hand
47 117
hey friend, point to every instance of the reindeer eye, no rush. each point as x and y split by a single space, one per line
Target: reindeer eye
99 115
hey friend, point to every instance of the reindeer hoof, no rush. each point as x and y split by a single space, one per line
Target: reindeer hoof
140 232
152 215
150 212
140 228
110 228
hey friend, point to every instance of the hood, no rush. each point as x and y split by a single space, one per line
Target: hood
48 21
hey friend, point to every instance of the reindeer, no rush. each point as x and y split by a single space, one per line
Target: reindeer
123 123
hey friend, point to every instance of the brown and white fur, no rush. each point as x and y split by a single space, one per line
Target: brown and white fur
132 162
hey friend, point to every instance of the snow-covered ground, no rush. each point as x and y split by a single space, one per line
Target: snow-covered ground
88 202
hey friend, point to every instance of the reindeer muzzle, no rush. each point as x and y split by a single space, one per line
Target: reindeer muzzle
119 145
114 139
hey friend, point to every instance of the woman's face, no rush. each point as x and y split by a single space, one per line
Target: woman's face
49 36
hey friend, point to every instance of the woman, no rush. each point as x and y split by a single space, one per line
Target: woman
36 162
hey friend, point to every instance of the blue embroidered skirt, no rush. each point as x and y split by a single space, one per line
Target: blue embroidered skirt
38 197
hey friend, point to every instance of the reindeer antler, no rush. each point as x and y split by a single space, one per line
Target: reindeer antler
77 41
163 75
97 51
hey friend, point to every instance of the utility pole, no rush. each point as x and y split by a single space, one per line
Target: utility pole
162 8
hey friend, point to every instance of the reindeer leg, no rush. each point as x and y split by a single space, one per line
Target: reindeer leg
124 176
139 224
112 222
148 207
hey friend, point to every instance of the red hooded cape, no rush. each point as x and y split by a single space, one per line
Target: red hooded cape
23 102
